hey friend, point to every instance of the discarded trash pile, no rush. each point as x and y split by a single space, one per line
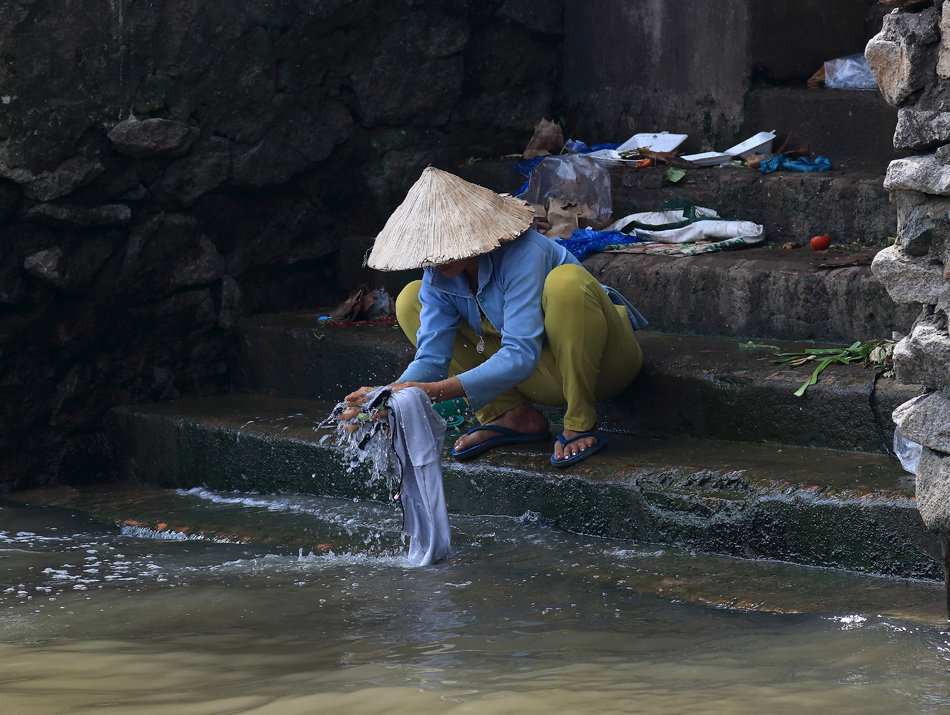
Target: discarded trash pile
568 183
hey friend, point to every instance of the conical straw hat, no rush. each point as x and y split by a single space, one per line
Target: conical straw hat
444 218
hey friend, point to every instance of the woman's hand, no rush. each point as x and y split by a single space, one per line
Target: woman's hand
356 398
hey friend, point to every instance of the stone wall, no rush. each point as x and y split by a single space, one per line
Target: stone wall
168 166
910 58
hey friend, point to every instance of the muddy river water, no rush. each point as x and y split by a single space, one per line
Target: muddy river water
244 603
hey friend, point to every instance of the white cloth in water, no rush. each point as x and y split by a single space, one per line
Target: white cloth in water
417 433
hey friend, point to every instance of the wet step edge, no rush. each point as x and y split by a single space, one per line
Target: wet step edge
700 386
320 528
807 506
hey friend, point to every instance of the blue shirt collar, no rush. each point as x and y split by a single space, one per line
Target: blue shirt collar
458 285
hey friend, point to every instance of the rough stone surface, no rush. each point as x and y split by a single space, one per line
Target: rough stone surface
230 310
915 231
58 215
943 55
899 56
190 178
926 420
909 279
923 357
921 129
166 167
933 490
47 266
73 173
918 173
151 137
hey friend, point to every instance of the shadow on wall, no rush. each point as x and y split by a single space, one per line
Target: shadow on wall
168 167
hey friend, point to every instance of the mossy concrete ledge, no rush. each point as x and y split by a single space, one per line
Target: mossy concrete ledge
701 386
816 507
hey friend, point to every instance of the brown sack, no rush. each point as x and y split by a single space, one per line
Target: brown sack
547 139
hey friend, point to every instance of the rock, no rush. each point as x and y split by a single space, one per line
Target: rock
181 314
205 265
899 54
943 153
189 179
388 94
943 54
539 17
166 253
10 197
58 215
922 357
915 232
72 174
230 310
47 266
909 279
933 490
918 173
152 137
926 420
291 146
921 129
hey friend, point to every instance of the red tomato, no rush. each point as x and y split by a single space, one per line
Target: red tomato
820 243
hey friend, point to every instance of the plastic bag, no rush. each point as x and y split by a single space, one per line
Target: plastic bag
907 452
851 72
576 178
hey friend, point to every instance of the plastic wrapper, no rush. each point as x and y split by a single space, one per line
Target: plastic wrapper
851 72
907 452
574 178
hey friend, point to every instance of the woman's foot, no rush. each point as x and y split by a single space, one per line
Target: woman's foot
523 418
575 447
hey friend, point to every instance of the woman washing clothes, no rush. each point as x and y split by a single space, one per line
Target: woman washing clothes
503 317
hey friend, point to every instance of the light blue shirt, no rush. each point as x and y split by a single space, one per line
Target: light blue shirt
510 283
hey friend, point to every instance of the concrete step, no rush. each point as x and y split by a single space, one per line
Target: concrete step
848 202
762 292
290 524
702 387
844 510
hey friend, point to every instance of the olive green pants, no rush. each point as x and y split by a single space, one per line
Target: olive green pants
590 352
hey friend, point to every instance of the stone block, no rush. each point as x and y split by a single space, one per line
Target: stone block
47 265
909 279
152 137
294 144
899 55
933 490
918 173
915 231
921 128
926 420
230 310
60 216
943 54
190 178
923 357
72 174
389 95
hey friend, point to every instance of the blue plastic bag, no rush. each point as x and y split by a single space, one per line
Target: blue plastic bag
775 163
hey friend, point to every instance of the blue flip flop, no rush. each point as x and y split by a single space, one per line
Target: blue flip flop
505 436
601 443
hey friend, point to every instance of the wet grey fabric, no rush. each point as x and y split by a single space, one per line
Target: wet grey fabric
417 435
